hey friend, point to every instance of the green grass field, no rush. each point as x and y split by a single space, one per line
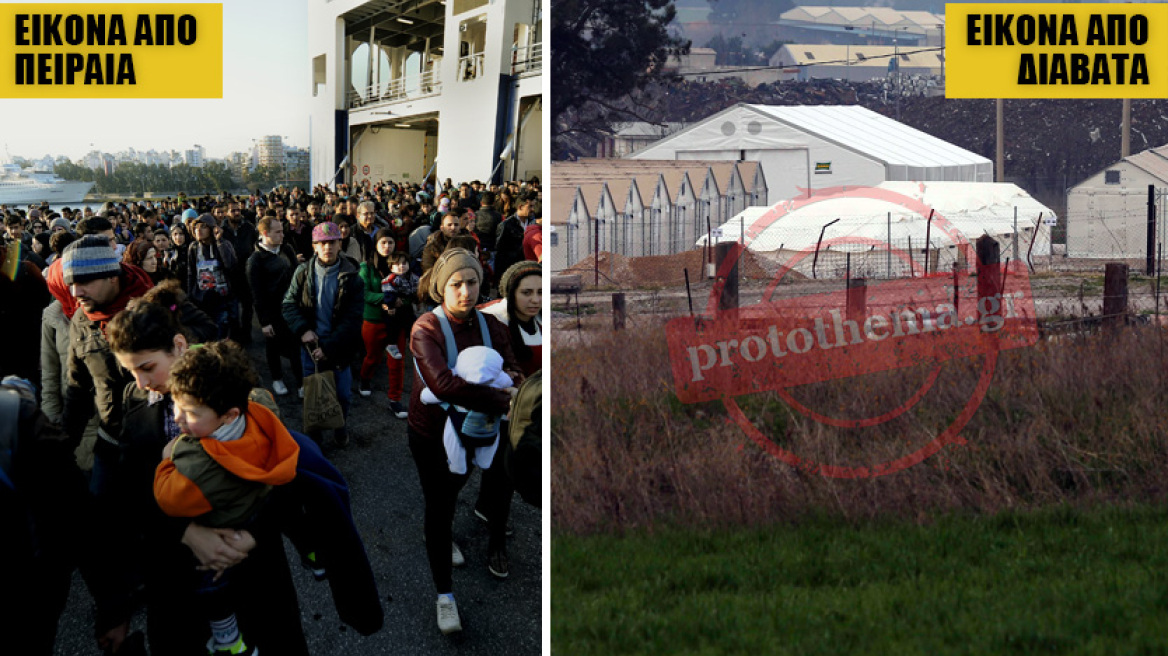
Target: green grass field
1054 581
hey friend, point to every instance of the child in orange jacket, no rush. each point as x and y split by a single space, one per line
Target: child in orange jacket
221 470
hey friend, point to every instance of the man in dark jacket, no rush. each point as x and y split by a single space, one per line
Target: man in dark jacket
102 287
269 273
509 235
323 308
487 220
242 236
297 233
436 243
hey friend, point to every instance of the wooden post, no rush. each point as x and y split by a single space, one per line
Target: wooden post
857 300
1114 294
619 313
989 270
729 297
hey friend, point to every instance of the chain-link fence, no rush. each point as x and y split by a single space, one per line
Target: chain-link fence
870 246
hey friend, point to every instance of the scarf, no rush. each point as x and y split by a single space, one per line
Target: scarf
135 282
230 431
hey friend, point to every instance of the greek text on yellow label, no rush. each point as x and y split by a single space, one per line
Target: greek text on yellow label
1053 50
108 50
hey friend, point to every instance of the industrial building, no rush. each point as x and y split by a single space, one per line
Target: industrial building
804 148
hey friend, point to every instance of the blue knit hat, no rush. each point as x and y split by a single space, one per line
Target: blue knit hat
189 213
89 258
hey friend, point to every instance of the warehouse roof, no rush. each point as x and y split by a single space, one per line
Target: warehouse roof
879 137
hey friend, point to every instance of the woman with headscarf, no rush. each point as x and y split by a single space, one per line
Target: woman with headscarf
142 254
521 287
179 237
454 284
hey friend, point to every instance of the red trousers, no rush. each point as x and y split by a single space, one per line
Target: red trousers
376 336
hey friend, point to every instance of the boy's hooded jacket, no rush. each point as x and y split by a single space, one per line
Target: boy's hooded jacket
223 484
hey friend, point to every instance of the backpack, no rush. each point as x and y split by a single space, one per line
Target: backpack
475 429
523 454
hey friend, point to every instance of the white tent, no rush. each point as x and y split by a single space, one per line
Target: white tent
814 147
867 219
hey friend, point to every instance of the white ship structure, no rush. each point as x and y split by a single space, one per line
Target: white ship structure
23 187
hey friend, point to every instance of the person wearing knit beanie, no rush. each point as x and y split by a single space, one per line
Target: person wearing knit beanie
87 259
452 261
515 273
60 222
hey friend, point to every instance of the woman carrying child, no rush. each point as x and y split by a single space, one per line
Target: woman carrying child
454 283
389 312
147 339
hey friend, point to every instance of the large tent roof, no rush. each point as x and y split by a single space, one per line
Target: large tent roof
879 137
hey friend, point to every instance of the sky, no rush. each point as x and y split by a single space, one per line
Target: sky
266 74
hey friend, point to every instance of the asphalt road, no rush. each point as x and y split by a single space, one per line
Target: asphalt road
498 617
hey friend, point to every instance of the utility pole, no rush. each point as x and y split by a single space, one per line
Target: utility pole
896 68
1000 156
1125 138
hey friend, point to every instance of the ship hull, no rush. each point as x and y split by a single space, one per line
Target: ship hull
54 194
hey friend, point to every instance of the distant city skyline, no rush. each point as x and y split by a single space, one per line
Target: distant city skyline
246 148
265 92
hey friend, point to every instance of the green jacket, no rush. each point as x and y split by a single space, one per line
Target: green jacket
373 295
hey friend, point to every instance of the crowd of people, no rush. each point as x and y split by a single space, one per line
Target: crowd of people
142 413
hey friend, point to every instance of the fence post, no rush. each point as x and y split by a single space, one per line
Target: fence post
596 251
989 270
728 299
1014 243
618 311
857 295
956 289
888 255
1114 293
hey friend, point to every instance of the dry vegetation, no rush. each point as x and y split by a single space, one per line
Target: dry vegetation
1080 420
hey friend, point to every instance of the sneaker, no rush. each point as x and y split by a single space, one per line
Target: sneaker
237 648
363 388
398 410
279 387
341 436
448 620
510 530
456 558
393 351
309 563
300 392
499 564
